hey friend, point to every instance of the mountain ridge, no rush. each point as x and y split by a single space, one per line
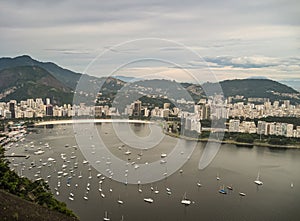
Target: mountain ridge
65 81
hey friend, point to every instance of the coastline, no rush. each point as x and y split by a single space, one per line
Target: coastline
233 142
86 121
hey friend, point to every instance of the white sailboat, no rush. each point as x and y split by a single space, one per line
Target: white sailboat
106 217
242 194
185 201
127 152
148 200
120 201
258 181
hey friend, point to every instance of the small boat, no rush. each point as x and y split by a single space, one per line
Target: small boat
292 185
120 201
127 152
39 152
258 181
156 191
222 190
148 200
242 194
85 198
102 195
185 201
163 155
199 184
229 187
71 198
218 178
163 161
106 217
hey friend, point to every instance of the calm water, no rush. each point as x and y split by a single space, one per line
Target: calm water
236 166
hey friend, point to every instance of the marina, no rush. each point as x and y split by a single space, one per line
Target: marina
91 193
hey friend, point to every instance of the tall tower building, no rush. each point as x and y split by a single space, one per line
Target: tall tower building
137 107
12 109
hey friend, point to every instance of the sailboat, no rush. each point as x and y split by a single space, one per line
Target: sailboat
185 201
120 201
242 194
230 187
106 217
140 189
222 190
257 181
127 152
148 200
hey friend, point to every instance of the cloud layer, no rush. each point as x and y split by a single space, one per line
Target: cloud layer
235 38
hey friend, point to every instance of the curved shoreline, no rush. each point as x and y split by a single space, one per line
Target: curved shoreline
86 121
234 142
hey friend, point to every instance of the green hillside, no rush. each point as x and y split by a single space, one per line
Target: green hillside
33 82
65 76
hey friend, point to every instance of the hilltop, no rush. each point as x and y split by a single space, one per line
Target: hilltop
67 77
23 82
24 77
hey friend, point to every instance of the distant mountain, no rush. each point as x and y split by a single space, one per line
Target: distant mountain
292 83
23 77
127 79
67 77
264 88
23 82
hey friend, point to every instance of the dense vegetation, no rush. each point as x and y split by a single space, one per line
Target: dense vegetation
37 192
290 120
33 82
262 88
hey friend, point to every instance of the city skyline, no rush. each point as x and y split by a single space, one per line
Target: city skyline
231 39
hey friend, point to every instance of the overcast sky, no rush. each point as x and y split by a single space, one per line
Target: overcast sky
174 39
